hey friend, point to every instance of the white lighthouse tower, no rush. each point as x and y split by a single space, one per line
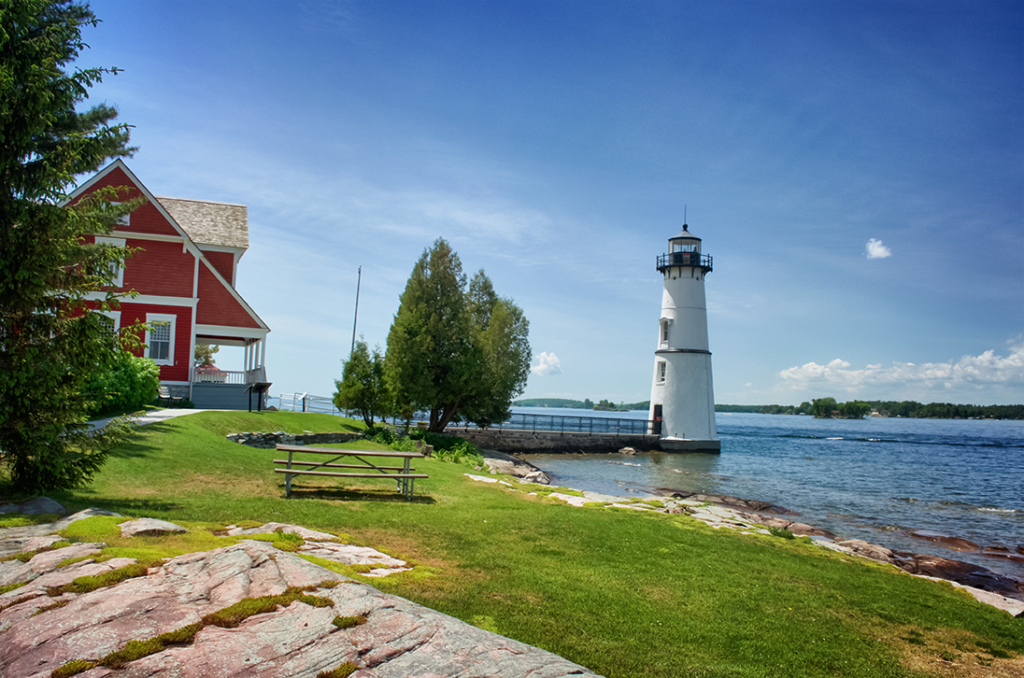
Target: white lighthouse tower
682 395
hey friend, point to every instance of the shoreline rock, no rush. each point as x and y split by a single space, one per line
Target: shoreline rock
502 462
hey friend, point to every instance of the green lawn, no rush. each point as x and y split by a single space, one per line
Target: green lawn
622 592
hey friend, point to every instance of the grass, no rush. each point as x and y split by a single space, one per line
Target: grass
233 615
349 622
343 671
109 578
624 593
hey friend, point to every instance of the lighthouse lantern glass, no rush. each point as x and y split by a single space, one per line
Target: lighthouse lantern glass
686 245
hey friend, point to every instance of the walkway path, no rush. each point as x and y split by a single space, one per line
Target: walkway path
149 417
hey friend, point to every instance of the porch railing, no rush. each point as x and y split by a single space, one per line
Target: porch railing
229 376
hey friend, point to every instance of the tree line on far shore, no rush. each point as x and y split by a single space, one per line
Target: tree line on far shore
585 404
907 409
827 408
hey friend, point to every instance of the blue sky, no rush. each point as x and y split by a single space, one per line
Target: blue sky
856 169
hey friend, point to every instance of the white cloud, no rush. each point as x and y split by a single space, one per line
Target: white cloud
547 364
876 250
987 369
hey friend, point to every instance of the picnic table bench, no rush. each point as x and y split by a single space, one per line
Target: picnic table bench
402 475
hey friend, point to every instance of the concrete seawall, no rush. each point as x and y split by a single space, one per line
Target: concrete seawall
554 442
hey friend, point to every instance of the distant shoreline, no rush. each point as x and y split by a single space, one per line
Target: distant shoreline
906 409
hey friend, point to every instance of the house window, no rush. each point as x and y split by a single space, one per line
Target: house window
125 219
111 319
116 272
160 338
662 368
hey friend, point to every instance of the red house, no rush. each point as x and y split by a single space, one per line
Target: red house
184 274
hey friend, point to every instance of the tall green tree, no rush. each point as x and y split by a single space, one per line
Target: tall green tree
204 354
362 386
501 332
458 352
51 341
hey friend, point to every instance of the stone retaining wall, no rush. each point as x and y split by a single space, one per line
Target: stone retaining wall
272 440
553 442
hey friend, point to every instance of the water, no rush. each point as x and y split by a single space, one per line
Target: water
872 479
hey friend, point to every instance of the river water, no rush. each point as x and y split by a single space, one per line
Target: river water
874 479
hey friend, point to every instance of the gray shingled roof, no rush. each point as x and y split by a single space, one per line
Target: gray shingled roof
210 223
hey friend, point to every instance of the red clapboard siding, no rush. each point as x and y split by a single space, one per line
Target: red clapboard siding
132 313
159 268
216 304
224 262
145 219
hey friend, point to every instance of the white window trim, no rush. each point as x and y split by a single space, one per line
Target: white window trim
161 318
115 316
662 370
124 219
116 242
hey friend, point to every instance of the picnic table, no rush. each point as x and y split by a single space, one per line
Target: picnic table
402 475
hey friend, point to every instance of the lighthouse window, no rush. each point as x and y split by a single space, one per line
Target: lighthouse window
662 366
664 331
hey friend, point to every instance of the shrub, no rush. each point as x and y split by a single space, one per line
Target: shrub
127 385
385 436
781 532
450 448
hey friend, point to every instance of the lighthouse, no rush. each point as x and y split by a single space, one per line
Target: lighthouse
682 395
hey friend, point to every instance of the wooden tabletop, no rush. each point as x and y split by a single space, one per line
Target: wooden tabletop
347 452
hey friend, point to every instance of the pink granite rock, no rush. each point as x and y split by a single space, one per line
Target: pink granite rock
399 638
149 527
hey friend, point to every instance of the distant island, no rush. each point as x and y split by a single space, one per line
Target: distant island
826 408
585 404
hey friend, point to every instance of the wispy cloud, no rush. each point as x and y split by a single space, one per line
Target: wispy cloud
876 250
987 369
546 365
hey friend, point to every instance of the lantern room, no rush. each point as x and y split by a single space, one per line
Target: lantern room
684 250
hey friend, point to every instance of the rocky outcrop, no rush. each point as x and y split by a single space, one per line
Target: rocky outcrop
501 462
335 621
149 527
732 502
954 543
271 440
34 507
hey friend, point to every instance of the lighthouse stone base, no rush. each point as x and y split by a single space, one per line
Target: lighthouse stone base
688 445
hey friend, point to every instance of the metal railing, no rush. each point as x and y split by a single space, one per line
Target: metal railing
702 261
303 402
561 423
